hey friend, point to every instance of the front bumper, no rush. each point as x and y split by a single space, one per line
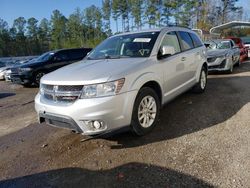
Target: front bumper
1 75
114 112
220 64
26 78
7 77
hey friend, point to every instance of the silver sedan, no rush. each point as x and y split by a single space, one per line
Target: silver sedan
223 55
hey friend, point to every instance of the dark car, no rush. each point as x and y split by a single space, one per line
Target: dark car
31 72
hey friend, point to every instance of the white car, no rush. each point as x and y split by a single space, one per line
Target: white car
2 72
124 82
7 75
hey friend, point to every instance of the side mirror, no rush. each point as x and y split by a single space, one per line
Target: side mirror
166 51
207 45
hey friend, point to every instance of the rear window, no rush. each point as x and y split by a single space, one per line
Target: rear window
186 40
196 40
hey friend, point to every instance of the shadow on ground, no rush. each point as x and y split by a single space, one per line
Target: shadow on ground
128 175
190 113
4 95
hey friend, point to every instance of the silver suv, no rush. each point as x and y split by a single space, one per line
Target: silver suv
124 82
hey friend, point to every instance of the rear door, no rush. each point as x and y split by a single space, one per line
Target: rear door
188 56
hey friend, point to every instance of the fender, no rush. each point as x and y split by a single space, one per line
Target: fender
143 79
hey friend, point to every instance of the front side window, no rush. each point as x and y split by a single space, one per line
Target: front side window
186 40
61 56
171 39
131 45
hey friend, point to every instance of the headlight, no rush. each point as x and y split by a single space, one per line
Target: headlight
103 89
24 69
227 55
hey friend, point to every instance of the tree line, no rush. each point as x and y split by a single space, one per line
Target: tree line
88 27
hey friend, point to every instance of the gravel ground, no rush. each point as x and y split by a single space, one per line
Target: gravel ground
200 141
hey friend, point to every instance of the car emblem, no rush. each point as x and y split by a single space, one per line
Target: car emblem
55 89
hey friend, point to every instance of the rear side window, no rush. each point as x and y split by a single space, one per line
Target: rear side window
186 41
196 40
77 54
171 39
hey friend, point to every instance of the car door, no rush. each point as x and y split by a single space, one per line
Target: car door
60 59
173 66
189 56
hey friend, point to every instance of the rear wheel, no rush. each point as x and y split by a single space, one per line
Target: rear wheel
202 84
146 111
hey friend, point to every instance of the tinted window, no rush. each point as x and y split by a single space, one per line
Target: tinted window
186 40
77 54
171 39
196 40
61 56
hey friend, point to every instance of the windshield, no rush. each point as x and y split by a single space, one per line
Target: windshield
131 45
219 44
45 57
246 40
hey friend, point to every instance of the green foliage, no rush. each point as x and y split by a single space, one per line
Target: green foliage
88 27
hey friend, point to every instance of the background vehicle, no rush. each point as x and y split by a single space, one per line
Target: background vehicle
222 55
124 81
241 45
32 71
7 72
246 41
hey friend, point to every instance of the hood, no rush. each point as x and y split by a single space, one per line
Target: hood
217 52
30 63
4 68
93 71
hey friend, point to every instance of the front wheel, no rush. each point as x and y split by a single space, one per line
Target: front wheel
38 77
231 69
202 84
145 112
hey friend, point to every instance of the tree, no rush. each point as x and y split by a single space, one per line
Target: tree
169 8
4 38
151 12
137 12
44 37
75 29
226 8
58 32
115 12
32 36
106 13
19 26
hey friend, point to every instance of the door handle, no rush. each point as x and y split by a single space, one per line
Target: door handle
183 58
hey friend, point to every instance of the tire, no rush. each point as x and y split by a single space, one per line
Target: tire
200 87
37 78
143 121
238 63
230 71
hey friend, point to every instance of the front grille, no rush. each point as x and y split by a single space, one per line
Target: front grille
61 93
221 66
14 70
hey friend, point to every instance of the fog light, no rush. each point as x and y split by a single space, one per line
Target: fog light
97 124
94 125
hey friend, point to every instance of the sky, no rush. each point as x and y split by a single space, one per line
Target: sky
12 9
